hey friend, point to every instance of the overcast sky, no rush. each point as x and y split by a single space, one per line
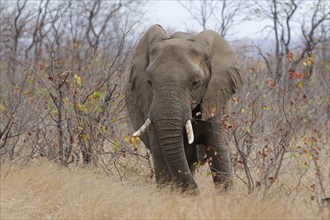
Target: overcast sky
172 16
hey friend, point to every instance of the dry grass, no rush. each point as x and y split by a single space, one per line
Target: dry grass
46 191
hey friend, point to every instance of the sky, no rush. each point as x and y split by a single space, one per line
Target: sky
172 16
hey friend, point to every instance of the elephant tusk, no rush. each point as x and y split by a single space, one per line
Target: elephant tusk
190 132
143 128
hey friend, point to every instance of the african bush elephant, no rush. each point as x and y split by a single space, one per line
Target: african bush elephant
177 88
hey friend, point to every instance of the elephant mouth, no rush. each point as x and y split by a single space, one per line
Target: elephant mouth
148 122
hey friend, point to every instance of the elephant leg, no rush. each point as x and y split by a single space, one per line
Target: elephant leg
162 172
201 153
218 156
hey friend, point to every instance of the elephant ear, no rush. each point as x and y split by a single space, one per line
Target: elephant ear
141 55
138 93
225 73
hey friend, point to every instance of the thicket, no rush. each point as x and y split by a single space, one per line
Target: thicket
62 69
63 66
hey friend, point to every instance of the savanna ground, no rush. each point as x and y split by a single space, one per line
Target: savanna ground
66 145
43 190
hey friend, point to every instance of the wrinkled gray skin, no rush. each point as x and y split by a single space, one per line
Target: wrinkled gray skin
176 78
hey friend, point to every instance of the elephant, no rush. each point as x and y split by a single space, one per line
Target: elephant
176 90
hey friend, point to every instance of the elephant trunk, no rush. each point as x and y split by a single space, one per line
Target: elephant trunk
169 116
147 123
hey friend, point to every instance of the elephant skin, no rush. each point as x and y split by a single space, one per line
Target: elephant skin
173 79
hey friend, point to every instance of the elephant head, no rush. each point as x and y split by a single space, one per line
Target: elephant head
175 80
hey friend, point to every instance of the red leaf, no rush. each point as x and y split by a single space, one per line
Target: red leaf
212 111
271 83
252 69
313 186
271 179
290 56
209 148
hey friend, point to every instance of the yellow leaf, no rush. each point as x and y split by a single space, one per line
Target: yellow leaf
54 111
266 108
3 108
83 136
97 94
126 138
104 129
248 129
300 85
81 107
99 109
78 79
134 140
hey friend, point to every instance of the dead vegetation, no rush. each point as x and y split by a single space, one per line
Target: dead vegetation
48 191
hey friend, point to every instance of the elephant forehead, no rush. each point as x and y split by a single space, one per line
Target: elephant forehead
177 54
177 48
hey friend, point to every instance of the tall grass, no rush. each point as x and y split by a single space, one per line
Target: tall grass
47 191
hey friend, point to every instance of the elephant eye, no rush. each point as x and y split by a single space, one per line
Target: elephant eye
149 82
195 83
